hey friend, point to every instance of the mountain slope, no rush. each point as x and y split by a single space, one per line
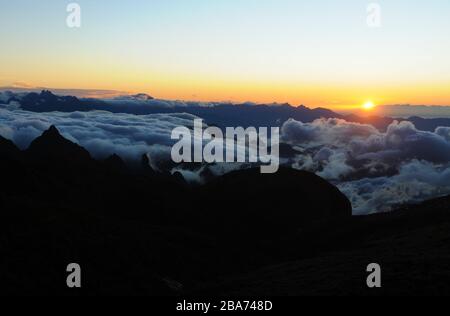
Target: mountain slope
131 229
51 147
411 245
8 149
272 204
139 232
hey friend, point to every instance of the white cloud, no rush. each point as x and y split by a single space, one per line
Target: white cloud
375 170
101 133
416 181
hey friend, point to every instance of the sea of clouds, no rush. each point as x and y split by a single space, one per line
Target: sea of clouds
376 170
101 133
104 133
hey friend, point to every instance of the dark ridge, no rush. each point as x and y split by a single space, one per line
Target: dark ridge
145 165
142 96
221 115
51 147
8 149
382 123
114 162
411 244
46 101
245 233
178 177
264 205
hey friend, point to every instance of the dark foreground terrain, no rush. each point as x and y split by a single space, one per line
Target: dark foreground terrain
135 231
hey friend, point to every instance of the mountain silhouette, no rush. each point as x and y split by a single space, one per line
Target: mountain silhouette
382 123
8 149
135 97
115 163
268 204
12 169
46 101
137 231
71 201
220 115
52 148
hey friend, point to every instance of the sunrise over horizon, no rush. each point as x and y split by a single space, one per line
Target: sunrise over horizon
318 53
225 155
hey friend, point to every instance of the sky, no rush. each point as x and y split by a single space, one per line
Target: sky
316 53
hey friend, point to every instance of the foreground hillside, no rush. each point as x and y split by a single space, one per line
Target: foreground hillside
134 231
412 246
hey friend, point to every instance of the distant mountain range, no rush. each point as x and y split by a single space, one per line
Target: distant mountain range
407 110
217 114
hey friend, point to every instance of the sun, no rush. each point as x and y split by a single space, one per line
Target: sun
368 106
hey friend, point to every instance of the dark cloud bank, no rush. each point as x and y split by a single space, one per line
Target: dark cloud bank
377 170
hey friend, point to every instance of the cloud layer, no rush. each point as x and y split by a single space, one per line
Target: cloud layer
376 170
102 133
417 181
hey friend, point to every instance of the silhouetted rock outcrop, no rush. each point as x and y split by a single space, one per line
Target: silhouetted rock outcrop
178 177
115 163
146 167
248 202
51 147
8 149
12 170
